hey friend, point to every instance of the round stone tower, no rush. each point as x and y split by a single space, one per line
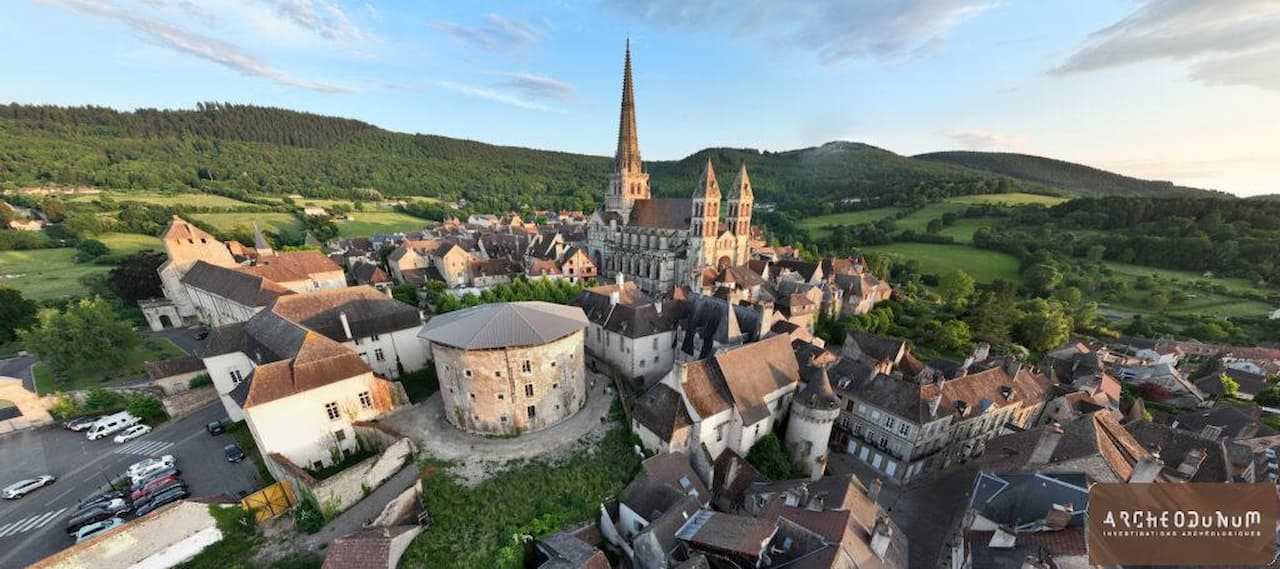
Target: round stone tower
813 412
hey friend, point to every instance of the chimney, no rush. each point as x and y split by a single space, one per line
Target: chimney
964 367
881 535
613 298
657 307
1045 446
935 401
1191 463
1012 366
1146 470
873 491
346 326
620 279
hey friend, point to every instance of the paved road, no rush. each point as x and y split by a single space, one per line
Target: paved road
185 338
33 527
20 367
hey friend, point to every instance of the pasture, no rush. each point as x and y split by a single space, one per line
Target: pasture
938 259
45 274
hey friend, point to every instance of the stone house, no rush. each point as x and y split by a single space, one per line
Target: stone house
631 332
731 399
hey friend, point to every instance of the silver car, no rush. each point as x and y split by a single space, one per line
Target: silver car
94 530
20 489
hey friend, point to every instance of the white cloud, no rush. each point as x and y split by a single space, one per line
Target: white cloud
1228 43
491 94
194 44
980 139
836 30
497 34
325 19
539 86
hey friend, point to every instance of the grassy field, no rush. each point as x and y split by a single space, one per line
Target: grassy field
1013 199
1209 303
129 243
88 375
369 223
192 199
815 224
266 221
983 265
43 274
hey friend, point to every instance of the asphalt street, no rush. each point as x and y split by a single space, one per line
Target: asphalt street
20 367
33 527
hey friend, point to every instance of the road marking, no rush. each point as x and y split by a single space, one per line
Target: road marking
27 524
145 448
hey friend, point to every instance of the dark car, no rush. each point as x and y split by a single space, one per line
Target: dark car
142 483
100 498
216 428
115 506
81 423
233 453
202 334
87 517
167 497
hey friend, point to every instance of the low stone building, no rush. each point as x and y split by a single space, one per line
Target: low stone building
509 368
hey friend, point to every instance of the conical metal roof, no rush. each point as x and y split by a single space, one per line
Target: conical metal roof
504 325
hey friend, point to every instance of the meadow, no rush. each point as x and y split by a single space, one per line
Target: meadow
938 259
45 274
369 223
163 199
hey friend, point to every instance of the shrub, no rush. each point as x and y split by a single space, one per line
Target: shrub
768 457
147 408
64 406
99 399
199 381
307 518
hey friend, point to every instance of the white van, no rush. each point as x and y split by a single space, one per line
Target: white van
111 424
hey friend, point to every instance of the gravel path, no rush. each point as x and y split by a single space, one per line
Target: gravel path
476 457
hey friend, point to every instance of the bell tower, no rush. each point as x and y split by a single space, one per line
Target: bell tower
704 219
628 181
738 217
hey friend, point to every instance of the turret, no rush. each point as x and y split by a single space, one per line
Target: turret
813 413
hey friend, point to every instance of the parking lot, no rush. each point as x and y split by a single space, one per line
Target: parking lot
33 527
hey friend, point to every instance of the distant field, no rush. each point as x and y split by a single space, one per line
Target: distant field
815 224
1202 302
191 199
369 223
1233 284
266 221
1008 199
43 274
129 243
937 259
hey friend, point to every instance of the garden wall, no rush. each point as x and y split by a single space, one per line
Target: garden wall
342 490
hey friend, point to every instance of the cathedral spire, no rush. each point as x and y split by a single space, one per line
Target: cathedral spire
741 189
628 155
708 187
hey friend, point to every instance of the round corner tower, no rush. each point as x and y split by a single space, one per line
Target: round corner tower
813 413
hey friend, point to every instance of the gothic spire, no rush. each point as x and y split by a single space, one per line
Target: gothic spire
741 185
707 185
628 155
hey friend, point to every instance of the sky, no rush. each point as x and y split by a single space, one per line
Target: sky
1179 90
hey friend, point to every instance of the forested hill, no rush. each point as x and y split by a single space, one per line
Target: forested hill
1068 176
260 150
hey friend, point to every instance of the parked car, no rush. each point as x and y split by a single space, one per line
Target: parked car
100 498
131 433
216 428
151 485
137 469
200 335
98 502
93 530
167 497
92 516
140 483
147 493
116 506
81 423
24 487
112 423
233 453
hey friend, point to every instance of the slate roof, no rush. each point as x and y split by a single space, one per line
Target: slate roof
665 213
368 312
1066 543
494 267
224 340
732 477
1250 383
727 533
1018 499
368 273
1235 422
673 468
1097 435
292 266
565 551
661 411
504 325
236 285
649 498
366 549
1174 446
805 269
876 347
634 316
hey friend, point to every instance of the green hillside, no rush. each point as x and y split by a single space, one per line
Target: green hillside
247 150
1068 176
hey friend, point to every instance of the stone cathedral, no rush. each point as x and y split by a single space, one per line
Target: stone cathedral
663 243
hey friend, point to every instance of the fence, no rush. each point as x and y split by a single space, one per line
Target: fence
271 501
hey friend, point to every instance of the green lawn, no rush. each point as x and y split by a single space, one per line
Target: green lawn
265 220
1012 199
180 199
937 259
42 274
87 375
1209 303
369 223
1233 284
129 243
815 224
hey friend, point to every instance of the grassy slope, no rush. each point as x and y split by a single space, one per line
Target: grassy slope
369 223
1069 176
1016 198
183 199
45 273
129 243
265 221
983 265
149 350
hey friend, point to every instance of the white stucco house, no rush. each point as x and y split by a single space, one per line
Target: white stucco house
630 331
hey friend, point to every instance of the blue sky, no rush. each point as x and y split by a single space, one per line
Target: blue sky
1167 89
